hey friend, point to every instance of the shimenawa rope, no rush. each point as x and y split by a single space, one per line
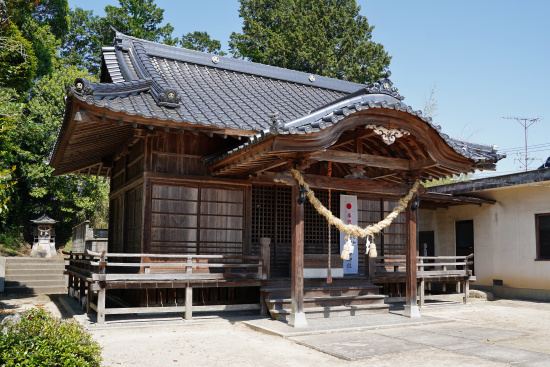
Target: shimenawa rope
352 229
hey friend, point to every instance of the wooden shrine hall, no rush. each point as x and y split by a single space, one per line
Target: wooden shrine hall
205 213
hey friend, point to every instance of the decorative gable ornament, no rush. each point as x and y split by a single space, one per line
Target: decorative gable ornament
388 135
384 86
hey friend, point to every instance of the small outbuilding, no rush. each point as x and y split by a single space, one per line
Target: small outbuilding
508 231
44 237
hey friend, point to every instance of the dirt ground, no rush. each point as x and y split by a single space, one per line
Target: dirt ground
226 343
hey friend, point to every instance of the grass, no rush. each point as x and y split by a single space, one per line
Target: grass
10 246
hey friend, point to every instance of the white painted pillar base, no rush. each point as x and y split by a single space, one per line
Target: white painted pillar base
412 311
297 320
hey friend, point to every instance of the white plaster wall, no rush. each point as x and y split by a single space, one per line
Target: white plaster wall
504 235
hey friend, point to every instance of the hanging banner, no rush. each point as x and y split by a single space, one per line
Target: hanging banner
348 214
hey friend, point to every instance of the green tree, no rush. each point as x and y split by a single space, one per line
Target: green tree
88 32
82 45
324 37
138 18
68 199
11 111
201 41
18 65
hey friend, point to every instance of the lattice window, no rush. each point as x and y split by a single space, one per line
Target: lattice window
395 236
272 217
316 226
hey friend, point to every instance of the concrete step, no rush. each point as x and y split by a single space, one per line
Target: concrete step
33 276
34 272
333 311
36 290
31 268
36 283
312 302
33 260
35 266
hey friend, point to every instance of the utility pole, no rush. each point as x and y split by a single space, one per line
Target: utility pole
526 122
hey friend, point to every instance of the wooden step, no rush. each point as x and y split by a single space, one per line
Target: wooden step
333 291
332 311
311 302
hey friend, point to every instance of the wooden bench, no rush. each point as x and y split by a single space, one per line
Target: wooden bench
430 269
97 272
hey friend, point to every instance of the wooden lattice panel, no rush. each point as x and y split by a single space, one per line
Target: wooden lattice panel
174 219
115 224
221 221
316 226
134 210
272 217
197 220
395 236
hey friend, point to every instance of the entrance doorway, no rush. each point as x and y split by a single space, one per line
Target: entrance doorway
426 243
464 238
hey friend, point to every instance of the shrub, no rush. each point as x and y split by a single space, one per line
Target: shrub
37 338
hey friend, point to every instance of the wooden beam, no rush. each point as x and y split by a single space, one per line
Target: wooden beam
336 183
372 160
362 159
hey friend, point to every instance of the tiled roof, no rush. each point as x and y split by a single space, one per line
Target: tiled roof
173 84
230 93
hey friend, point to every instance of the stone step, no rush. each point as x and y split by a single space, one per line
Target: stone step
34 272
36 283
313 302
33 260
33 276
36 290
333 311
30 267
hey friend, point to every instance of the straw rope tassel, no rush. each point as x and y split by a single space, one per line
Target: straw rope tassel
351 229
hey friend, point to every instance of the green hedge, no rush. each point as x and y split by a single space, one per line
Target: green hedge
40 339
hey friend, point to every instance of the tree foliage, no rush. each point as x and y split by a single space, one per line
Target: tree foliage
324 37
201 41
18 64
138 18
32 81
88 32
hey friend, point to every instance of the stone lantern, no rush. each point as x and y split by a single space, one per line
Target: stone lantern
44 237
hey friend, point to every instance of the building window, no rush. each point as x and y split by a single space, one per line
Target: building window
543 236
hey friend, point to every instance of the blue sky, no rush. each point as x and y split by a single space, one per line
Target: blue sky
488 59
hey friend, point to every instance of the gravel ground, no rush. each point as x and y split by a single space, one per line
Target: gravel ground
226 343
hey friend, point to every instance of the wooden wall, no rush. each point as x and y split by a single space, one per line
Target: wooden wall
197 219
126 200
172 212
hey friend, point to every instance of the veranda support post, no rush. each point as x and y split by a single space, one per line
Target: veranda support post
411 303
297 315
265 242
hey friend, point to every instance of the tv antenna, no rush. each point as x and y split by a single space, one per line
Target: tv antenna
526 122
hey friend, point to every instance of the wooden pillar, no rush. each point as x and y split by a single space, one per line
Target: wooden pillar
411 299
297 315
101 303
89 297
188 302
265 255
